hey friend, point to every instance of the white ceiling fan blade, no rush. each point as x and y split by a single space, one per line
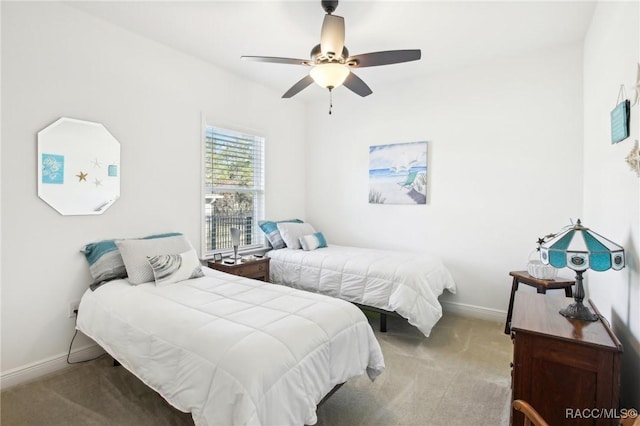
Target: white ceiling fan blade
332 36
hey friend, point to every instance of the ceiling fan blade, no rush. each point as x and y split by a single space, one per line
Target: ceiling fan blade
275 60
383 58
332 36
302 84
356 85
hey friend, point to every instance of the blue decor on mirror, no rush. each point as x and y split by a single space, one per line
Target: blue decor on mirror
52 168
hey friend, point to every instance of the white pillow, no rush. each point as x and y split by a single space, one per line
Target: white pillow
172 268
291 233
135 252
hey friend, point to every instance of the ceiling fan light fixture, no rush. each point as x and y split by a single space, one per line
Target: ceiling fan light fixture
329 75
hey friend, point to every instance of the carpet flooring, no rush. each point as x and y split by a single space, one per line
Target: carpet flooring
460 375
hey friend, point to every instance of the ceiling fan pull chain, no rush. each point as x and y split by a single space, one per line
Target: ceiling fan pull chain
330 100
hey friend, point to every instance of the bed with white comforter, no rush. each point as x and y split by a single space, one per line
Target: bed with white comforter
402 282
231 350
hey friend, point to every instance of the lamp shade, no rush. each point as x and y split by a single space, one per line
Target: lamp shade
235 237
579 248
330 75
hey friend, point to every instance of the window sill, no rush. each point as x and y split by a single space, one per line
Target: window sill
228 253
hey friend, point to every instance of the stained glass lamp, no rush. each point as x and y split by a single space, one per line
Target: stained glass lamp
579 248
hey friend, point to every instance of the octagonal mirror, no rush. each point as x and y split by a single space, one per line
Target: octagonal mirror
78 167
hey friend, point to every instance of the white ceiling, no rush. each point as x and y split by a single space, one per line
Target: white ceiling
449 33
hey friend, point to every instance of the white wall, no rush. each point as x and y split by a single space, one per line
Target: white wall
611 189
505 166
511 149
57 61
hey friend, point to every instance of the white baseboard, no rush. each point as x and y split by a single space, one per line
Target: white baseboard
35 370
473 311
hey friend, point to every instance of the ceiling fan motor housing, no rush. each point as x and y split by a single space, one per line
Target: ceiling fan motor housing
329 6
318 58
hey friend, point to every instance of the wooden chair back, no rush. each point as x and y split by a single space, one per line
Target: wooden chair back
531 416
630 421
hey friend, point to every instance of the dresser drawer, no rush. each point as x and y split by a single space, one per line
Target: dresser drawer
256 269
252 270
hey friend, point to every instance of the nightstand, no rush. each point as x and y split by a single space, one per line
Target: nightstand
541 286
257 269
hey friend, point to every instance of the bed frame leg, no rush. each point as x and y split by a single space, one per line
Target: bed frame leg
383 323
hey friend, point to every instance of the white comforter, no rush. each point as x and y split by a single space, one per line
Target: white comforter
230 350
404 282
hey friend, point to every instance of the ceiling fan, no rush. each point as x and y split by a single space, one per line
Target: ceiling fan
330 60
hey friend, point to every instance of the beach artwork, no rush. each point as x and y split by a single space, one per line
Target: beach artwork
398 173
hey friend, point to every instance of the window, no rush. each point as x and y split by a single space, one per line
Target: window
233 189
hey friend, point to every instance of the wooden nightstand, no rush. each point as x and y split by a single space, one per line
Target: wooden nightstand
257 269
541 286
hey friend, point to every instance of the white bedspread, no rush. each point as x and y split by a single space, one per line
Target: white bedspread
404 282
230 350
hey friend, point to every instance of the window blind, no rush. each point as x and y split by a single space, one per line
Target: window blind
233 188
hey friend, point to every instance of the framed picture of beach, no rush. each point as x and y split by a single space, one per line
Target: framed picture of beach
398 173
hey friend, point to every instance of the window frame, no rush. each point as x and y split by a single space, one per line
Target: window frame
259 190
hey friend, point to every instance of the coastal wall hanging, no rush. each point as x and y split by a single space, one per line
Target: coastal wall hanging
78 167
398 173
620 118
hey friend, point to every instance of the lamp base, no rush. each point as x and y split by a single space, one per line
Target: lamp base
578 311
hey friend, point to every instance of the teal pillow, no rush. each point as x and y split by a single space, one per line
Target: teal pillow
272 233
105 260
313 241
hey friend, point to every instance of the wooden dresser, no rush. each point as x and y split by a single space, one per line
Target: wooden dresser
561 366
